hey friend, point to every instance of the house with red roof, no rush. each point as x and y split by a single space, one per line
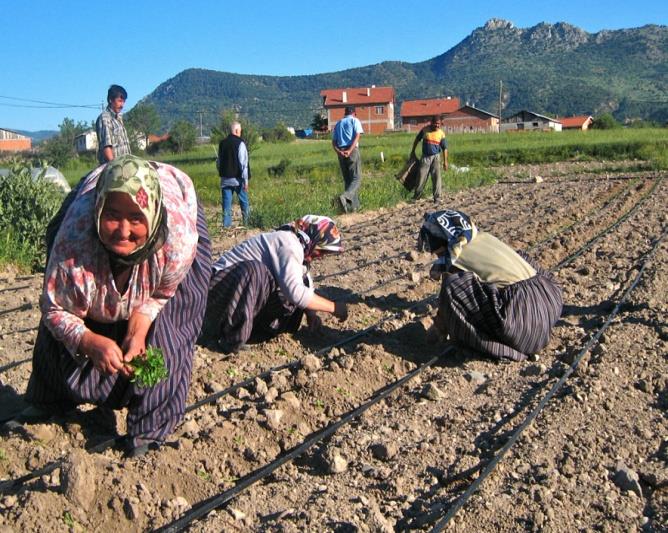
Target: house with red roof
578 122
416 114
470 119
374 106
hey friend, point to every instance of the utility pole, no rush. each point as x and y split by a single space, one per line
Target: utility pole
201 134
500 98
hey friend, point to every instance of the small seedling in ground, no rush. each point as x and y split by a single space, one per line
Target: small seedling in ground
342 391
203 474
68 519
320 404
3 455
149 369
232 372
239 440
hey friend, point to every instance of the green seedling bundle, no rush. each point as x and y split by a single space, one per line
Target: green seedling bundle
149 369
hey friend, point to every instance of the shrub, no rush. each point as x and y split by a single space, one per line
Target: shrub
183 135
278 134
605 122
26 207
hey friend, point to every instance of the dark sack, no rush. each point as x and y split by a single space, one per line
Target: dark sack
409 175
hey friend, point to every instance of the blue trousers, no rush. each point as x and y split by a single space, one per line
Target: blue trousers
227 193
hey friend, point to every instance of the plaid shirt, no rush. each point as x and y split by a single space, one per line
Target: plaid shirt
111 132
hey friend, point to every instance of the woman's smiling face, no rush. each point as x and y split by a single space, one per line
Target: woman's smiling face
123 226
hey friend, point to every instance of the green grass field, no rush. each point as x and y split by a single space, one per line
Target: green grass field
311 180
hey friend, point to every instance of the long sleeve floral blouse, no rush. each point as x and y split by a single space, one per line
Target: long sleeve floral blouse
79 284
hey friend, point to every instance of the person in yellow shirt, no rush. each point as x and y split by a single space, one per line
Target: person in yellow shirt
493 300
433 143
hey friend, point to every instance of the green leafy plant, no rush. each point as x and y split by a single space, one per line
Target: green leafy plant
3 455
203 474
68 519
149 369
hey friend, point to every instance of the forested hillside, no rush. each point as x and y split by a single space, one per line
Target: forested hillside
554 69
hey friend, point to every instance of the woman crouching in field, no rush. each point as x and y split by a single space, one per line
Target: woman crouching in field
129 267
261 287
492 300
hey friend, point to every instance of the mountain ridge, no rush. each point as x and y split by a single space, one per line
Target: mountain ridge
554 69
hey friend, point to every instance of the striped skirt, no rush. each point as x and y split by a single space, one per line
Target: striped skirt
58 382
245 304
508 322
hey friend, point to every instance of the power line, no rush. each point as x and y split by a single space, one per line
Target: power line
23 106
55 105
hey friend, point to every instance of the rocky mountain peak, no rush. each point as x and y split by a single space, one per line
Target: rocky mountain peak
498 24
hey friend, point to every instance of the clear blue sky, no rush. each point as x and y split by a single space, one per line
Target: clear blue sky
70 51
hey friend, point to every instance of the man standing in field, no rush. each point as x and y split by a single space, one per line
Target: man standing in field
433 143
345 140
234 173
112 139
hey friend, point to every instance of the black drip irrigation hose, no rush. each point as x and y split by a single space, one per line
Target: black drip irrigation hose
208 505
464 498
576 180
612 226
20 287
356 268
9 366
24 330
24 307
566 227
12 484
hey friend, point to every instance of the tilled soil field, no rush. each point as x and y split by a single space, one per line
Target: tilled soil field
594 458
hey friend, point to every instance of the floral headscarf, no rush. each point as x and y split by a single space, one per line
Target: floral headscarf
448 228
139 179
317 234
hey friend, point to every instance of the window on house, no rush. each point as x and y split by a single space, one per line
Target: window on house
380 110
535 124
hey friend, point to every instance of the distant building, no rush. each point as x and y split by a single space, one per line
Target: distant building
374 106
11 141
86 142
527 120
416 114
579 122
469 119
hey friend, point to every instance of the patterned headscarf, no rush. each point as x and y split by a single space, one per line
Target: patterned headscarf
450 229
317 234
139 179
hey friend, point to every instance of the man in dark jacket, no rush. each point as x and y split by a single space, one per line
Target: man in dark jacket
234 172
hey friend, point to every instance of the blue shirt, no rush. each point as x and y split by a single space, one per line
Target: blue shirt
346 130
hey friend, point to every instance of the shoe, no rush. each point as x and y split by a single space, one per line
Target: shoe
33 415
132 452
343 202
229 348
29 415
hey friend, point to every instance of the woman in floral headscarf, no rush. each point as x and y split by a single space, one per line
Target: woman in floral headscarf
493 299
261 287
128 267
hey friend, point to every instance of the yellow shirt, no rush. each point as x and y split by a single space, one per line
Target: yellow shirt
493 261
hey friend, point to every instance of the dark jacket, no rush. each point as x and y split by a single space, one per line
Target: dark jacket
228 157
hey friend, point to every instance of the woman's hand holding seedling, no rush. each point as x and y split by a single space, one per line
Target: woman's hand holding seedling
149 369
